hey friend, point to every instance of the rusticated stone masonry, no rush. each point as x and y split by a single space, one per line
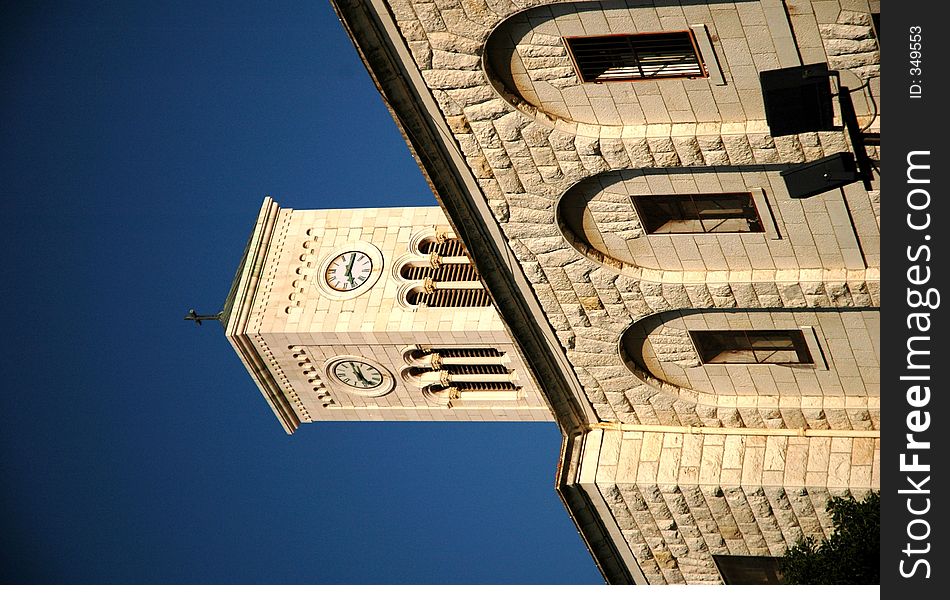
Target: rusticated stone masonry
850 44
523 164
546 59
680 498
676 499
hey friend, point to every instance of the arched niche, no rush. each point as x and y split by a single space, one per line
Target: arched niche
533 63
802 357
730 220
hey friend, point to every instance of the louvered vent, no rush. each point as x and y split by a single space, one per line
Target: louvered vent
445 276
631 57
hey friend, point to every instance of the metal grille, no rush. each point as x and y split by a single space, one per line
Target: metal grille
752 347
642 56
698 213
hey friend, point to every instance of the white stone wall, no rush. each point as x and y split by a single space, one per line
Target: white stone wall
524 164
678 499
298 328
525 157
829 231
530 61
848 341
850 44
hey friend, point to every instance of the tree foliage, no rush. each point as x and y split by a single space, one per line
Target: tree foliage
850 556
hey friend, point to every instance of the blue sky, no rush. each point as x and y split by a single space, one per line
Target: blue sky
139 139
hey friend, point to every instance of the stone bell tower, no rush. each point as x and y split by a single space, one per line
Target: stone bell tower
372 314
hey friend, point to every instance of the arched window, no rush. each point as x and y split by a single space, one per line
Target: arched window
647 222
443 274
443 246
448 298
760 353
461 375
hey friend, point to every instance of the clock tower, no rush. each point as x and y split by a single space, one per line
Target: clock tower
372 314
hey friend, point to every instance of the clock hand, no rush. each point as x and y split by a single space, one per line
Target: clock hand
349 267
359 374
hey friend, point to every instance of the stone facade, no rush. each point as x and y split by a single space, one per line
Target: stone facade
679 498
667 461
284 314
844 344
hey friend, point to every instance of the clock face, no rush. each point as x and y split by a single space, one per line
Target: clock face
358 374
349 271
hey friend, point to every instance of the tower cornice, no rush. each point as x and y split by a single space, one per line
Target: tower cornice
236 316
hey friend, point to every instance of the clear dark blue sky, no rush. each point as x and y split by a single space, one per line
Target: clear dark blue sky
138 141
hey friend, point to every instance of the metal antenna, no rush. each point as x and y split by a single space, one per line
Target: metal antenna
194 316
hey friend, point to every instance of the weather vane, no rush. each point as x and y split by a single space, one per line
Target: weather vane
194 316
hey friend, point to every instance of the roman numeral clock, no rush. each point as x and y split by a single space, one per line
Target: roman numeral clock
349 270
360 375
345 274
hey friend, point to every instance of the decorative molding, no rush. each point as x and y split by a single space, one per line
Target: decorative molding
766 214
273 253
708 53
243 322
311 371
815 347
281 378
